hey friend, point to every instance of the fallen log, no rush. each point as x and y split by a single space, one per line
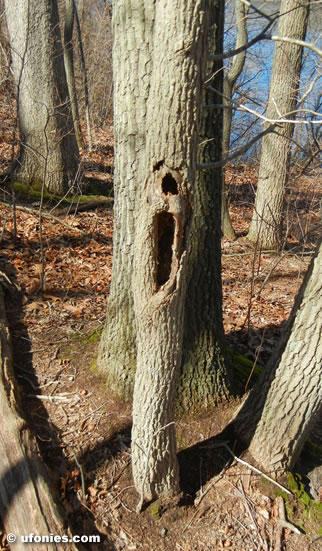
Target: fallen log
26 502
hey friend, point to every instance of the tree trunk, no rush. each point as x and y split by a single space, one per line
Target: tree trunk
84 71
241 13
287 401
266 225
203 355
26 502
49 153
162 243
131 69
205 376
69 68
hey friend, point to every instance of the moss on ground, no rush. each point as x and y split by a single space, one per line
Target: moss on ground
93 336
302 511
35 191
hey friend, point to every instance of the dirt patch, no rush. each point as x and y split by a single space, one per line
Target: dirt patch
84 433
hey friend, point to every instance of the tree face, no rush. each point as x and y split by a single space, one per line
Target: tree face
161 205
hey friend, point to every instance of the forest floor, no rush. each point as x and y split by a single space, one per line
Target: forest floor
84 433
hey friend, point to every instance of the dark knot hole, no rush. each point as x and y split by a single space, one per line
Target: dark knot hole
165 223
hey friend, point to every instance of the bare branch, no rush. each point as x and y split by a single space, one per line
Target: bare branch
282 120
241 151
231 53
299 43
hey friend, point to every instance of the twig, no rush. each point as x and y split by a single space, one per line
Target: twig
191 520
81 207
302 43
273 251
211 485
250 513
258 349
281 120
50 398
65 414
121 492
94 411
289 526
225 445
283 522
247 319
7 283
81 473
245 528
119 475
35 212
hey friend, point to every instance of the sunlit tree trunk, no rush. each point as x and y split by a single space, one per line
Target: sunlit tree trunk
49 152
283 407
266 224
69 67
203 378
241 13
163 251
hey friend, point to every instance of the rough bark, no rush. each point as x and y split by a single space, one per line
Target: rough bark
69 68
131 68
205 375
84 71
287 401
162 242
26 502
48 152
266 224
241 12
203 347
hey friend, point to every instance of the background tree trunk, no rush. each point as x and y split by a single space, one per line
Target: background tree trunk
266 224
285 404
49 152
131 68
241 13
69 68
26 502
84 71
205 376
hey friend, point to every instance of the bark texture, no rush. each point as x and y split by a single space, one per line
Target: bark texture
266 224
132 45
161 254
203 327
241 13
205 376
49 152
26 502
287 401
69 68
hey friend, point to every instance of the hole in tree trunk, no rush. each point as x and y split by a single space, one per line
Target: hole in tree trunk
165 235
169 185
158 165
